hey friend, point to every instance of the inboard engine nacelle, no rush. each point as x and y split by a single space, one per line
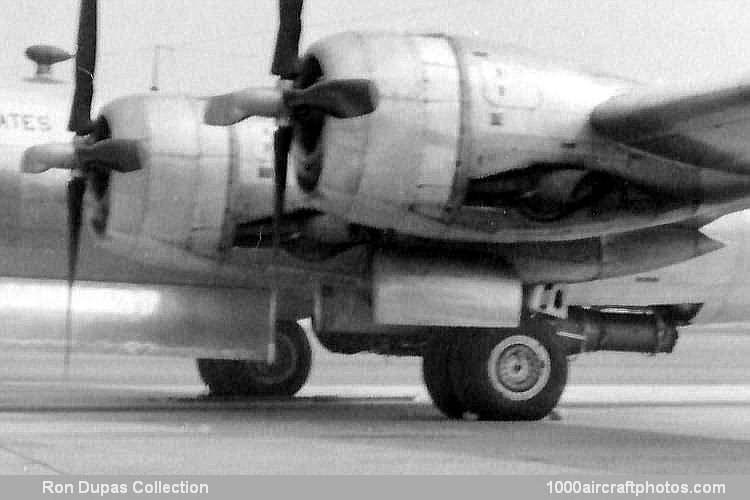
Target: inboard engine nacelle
469 142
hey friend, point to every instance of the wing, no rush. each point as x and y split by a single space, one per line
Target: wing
703 125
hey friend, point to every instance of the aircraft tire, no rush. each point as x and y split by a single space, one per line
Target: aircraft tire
284 378
511 374
436 358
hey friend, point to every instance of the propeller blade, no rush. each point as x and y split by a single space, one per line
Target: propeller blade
42 157
338 98
234 107
80 113
120 155
346 98
286 66
286 55
282 143
76 190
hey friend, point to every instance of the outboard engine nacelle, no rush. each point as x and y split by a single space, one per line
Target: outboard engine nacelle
195 183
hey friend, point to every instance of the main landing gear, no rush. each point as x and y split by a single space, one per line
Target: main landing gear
283 378
503 374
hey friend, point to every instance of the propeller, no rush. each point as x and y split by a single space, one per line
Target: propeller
289 104
80 123
80 113
90 156
76 190
120 155
346 98
286 54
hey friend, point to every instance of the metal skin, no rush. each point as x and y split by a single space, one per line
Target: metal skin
607 256
197 182
452 111
720 280
411 290
168 225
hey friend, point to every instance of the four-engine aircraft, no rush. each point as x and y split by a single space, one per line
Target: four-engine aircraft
476 205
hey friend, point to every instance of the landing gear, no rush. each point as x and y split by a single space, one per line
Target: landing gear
283 378
509 374
436 360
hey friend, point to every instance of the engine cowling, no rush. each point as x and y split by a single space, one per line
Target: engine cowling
452 113
358 167
196 184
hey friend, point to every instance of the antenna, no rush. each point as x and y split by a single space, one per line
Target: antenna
155 68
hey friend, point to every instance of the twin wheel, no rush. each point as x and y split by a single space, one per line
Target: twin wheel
508 374
283 378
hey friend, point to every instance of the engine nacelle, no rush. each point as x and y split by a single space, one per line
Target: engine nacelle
405 154
452 113
196 182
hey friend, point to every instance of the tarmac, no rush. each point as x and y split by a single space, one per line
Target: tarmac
684 413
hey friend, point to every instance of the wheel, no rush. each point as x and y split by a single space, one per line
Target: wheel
286 376
515 374
436 359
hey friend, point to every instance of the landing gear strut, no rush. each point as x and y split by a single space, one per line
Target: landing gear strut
506 374
283 378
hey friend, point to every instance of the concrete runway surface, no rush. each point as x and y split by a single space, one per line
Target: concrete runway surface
685 413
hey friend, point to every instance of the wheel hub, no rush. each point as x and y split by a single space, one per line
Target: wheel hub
519 367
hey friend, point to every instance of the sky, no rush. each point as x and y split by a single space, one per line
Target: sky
212 46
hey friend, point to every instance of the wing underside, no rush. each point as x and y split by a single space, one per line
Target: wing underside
706 126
